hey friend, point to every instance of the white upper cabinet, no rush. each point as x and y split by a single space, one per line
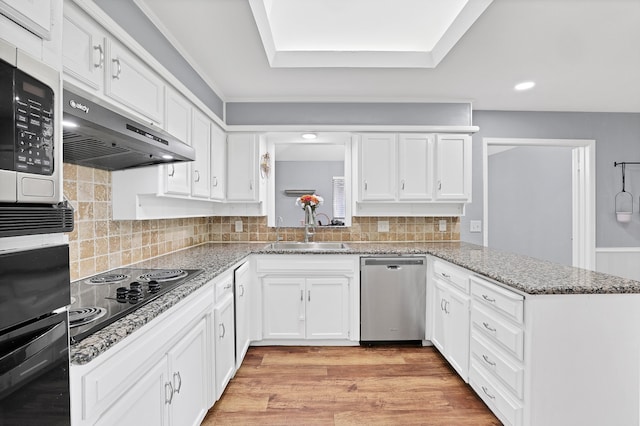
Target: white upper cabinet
242 167
131 82
83 49
200 140
453 167
378 167
415 167
35 15
178 122
218 163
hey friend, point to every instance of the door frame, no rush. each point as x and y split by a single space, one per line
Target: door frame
583 177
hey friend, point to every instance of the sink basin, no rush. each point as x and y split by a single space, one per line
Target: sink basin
308 246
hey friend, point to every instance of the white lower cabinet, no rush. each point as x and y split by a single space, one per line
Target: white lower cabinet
309 297
242 283
497 350
305 308
159 375
224 334
450 321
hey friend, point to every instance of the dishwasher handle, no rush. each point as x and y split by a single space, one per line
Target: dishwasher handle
393 263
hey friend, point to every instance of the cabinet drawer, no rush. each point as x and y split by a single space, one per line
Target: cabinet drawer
506 408
504 301
224 286
491 359
452 274
497 329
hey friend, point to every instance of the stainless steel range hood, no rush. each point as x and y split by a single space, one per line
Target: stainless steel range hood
95 136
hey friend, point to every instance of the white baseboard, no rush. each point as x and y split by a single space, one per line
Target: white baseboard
621 261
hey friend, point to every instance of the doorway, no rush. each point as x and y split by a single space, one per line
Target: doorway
580 159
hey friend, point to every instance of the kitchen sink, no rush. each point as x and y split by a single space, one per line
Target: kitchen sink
308 246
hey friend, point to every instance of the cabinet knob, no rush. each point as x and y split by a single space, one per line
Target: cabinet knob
100 63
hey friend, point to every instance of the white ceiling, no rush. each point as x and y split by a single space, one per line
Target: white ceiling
584 55
362 33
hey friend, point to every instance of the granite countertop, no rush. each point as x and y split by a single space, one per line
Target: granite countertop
521 273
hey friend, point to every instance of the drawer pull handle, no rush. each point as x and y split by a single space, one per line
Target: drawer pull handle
173 171
116 76
301 295
242 287
179 385
168 393
223 330
100 63
488 361
447 276
486 391
488 327
488 299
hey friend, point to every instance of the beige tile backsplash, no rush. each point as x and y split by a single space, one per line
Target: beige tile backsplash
99 243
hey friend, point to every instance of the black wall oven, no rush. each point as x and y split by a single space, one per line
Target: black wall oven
34 336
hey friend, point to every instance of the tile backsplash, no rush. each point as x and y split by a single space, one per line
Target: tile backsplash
99 243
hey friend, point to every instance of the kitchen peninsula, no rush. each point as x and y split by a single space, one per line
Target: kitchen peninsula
580 352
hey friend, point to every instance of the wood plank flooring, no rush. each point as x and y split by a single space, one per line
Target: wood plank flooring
348 386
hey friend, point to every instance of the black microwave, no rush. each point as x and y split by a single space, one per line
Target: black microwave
30 135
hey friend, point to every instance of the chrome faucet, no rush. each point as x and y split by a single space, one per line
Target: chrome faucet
308 223
278 224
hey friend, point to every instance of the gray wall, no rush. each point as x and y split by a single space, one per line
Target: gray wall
530 202
356 113
129 16
305 175
617 137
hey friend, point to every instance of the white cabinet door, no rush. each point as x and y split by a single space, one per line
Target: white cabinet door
83 49
438 334
453 167
415 167
146 403
217 164
327 310
178 123
378 167
188 367
242 167
200 140
283 307
450 334
225 343
242 282
458 332
133 84
34 15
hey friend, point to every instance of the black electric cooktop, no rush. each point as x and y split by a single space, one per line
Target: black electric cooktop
102 299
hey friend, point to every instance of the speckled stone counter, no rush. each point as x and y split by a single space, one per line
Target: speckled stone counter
521 273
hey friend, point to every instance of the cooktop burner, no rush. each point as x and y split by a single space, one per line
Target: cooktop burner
107 297
82 316
107 279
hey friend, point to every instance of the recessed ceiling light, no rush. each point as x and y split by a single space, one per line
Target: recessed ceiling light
525 85
309 135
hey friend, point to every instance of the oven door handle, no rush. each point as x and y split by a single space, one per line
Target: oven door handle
20 363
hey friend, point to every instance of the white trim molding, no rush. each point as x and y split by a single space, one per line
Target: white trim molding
620 261
584 192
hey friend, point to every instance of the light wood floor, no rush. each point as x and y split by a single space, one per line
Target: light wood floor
348 386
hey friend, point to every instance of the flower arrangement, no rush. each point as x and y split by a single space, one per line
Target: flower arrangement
309 200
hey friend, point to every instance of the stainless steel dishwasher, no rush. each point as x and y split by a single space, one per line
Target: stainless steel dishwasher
392 298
